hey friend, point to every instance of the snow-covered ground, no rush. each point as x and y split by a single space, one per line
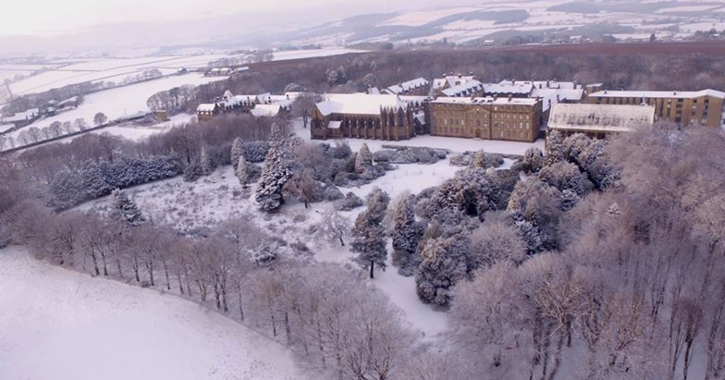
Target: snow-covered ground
122 101
461 24
57 324
107 70
219 197
454 144
298 54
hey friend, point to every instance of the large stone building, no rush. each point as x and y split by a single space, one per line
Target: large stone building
550 92
598 120
682 107
383 117
514 119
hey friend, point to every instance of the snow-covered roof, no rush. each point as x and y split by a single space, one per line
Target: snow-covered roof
420 117
6 127
407 86
551 96
486 100
451 81
463 89
374 91
287 97
600 117
206 107
334 124
265 98
239 99
268 110
68 101
22 116
359 104
508 88
659 94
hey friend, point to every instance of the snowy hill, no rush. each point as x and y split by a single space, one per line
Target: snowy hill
62 325
498 20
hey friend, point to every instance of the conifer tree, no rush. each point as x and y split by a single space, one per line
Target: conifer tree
363 160
205 161
479 160
242 172
276 172
406 235
554 148
125 208
369 234
237 151
533 160
444 263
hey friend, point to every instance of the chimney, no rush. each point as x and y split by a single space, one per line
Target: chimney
460 75
513 81
605 91
547 83
509 97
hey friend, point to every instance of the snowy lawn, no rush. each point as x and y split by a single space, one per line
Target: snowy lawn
58 324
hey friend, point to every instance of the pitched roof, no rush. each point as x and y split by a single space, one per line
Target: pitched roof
359 104
463 89
600 117
659 94
451 81
508 88
268 110
206 107
407 86
22 116
486 101
551 96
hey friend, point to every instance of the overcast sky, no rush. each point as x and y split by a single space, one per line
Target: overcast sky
44 17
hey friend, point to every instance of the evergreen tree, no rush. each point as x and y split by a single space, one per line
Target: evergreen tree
554 148
237 151
125 208
363 160
533 160
205 161
243 172
406 235
369 234
479 160
276 172
444 263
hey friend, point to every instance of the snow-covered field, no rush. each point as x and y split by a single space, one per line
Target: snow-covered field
105 69
299 54
464 24
122 101
57 324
